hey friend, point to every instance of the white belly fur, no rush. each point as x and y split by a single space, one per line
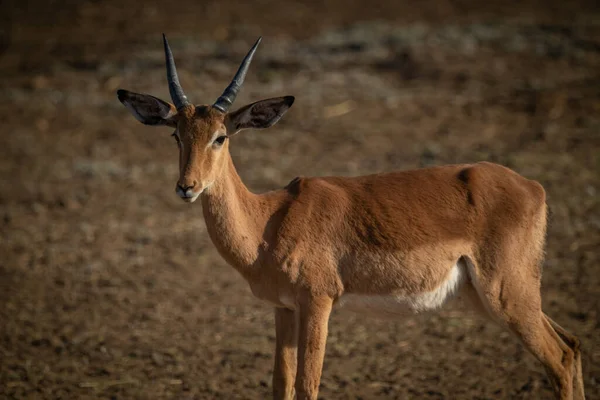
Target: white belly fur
400 304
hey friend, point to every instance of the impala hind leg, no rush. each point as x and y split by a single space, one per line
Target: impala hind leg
515 302
573 342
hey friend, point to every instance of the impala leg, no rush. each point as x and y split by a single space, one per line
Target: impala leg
517 306
313 319
573 342
286 345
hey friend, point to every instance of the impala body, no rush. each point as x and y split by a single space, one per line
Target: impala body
385 244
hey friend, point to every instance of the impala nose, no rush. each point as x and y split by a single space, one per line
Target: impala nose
186 191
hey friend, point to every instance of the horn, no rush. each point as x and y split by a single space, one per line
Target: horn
228 97
175 89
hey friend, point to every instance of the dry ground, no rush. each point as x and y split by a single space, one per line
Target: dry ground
109 285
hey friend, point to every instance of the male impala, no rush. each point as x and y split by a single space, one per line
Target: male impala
381 244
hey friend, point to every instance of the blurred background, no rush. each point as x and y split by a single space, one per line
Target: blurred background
109 285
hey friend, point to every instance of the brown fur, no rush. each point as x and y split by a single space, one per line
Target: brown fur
303 247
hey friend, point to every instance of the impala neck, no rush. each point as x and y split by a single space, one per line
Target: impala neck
236 219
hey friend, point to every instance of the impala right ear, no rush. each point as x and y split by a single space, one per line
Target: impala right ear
259 115
148 109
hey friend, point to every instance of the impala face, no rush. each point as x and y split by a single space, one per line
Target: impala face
201 137
202 132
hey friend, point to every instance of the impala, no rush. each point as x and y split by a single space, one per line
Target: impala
384 244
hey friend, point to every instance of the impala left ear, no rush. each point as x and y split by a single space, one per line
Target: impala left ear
259 115
149 110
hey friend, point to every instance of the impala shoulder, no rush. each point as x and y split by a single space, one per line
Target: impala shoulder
314 186
295 185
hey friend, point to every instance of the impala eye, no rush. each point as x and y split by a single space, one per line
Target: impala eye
220 140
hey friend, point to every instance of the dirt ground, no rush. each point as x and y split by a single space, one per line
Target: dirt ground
109 285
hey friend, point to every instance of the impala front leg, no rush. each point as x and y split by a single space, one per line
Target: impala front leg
313 319
286 346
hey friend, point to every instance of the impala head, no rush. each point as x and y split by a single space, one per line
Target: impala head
202 132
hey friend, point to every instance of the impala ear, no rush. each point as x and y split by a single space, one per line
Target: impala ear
148 109
259 115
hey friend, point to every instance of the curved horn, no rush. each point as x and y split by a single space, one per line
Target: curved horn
175 89
228 97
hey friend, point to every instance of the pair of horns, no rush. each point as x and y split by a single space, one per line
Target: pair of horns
226 99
